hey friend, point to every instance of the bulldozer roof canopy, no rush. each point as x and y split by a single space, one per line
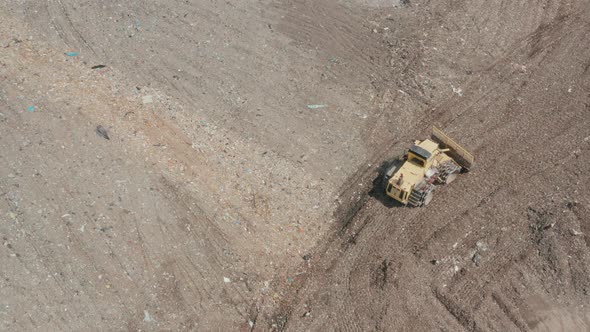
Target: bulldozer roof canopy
420 152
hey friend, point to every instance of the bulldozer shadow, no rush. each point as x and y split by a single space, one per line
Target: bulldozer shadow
378 189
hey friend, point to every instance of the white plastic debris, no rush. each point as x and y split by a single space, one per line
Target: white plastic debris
147 99
147 317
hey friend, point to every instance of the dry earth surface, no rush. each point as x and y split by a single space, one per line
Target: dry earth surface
214 165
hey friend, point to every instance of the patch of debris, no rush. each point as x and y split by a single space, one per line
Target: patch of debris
475 254
539 221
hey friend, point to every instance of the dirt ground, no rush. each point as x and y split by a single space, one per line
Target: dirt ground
212 165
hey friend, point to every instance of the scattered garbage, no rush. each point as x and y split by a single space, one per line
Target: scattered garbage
72 53
147 317
102 132
316 106
98 66
476 258
226 280
480 247
147 99
575 232
458 91
31 108
307 257
289 279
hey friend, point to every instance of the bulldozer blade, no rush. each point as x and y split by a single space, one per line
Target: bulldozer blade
457 152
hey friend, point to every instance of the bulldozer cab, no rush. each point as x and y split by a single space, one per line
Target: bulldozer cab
419 156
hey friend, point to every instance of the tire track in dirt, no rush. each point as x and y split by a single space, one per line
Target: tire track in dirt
329 26
361 213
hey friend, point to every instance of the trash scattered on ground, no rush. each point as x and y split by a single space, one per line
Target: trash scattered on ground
316 106
289 279
98 66
226 280
147 317
72 53
147 99
307 257
480 247
458 91
31 108
575 232
102 132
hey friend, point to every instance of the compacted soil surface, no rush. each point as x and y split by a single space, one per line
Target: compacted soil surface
215 166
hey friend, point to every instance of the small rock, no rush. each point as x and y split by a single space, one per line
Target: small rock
307 257
102 132
226 280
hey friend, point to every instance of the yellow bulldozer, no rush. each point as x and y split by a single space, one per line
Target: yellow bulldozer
428 163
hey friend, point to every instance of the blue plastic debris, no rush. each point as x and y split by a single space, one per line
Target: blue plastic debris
72 53
31 108
316 106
